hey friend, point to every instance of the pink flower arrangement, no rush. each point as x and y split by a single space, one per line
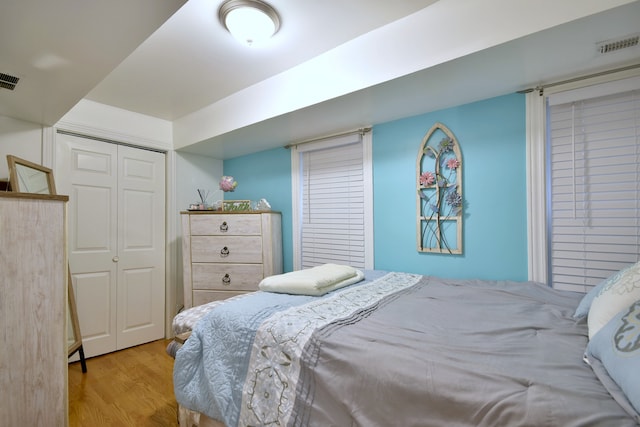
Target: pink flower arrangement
228 183
453 163
427 178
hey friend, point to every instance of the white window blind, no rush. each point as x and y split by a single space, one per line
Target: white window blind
333 206
333 202
593 186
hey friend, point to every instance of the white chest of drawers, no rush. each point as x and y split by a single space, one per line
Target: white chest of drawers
33 310
226 254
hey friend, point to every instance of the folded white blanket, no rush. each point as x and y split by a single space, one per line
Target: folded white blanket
312 281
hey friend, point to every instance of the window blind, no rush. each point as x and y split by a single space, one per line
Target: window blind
333 206
593 187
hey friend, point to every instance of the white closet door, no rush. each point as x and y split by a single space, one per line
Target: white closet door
87 171
116 240
141 246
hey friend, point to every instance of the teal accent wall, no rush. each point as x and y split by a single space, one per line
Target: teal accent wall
266 175
491 134
492 138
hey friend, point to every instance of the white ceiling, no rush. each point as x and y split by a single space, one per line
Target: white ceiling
334 65
61 49
192 61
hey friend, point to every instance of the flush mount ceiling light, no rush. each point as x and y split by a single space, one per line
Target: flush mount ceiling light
250 21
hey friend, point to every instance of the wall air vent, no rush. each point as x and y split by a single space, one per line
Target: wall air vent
8 82
621 43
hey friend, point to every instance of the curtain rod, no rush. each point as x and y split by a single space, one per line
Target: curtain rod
541 88
361 131
110 141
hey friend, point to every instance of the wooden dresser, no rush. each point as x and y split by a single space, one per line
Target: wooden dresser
33 310
226 254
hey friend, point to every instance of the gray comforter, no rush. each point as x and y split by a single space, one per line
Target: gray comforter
401 350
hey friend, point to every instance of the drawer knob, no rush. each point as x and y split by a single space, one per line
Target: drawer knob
224 227
226 280
224 252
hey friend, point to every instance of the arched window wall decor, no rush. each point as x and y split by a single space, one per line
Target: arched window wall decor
439 199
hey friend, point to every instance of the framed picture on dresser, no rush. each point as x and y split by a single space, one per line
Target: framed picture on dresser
29 177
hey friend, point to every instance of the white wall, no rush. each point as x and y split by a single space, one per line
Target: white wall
197 172
21 139
193 172
92 118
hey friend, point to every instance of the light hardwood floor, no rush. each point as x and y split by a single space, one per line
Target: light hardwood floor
132 387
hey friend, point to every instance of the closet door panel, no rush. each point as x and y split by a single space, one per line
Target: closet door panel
137 313
95 203
90 180
141 247
99 324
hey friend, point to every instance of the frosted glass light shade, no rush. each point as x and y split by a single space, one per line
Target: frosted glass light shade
249 21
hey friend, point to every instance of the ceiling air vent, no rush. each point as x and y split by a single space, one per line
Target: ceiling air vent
8 82
615 45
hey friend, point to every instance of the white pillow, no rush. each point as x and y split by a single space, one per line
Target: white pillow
614 297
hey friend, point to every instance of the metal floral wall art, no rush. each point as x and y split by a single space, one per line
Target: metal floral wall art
439 192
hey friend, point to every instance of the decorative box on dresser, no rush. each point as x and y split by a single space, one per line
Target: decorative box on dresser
33 310
228 253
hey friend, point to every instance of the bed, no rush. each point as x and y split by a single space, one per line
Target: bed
401 349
